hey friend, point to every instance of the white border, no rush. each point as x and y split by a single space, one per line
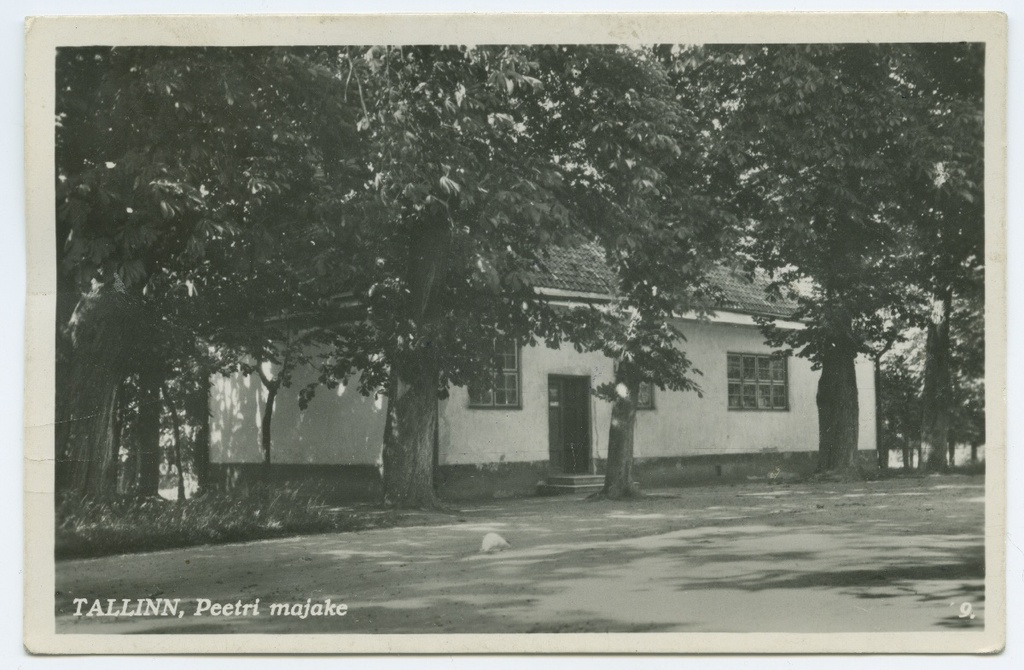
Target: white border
222 6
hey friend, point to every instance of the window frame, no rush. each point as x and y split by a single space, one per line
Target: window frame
761 361
504 372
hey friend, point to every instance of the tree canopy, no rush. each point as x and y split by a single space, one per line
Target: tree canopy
186 178
837 156
482 158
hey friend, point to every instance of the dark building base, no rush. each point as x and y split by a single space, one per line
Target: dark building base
353 483
362 483
335 483
491 480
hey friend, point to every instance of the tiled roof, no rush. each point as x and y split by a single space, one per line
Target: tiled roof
579 268
583 268
741 294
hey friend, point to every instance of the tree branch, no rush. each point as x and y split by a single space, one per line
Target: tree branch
271 384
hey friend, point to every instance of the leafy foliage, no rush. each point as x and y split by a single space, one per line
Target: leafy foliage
967 333
195 184
839 153
902 381
510 150
900 396
857 170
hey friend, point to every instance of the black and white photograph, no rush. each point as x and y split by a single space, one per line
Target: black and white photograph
518 337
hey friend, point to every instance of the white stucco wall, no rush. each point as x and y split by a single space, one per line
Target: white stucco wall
343 427
516 435
683 424
339 427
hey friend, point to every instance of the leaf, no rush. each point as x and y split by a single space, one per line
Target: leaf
449 186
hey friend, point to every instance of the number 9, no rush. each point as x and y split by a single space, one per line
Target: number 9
965 610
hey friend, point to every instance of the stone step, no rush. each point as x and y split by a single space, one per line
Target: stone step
575 480
560 489
563 484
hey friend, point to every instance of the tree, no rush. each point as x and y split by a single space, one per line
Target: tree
900 372
150 378
176 433
967 334
480 159
662 247
90 389
826 142
947 87
273 358
177 171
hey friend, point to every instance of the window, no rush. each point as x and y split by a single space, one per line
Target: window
505 390
645 399
757 382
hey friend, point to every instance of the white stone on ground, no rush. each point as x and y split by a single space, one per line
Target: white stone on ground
492 543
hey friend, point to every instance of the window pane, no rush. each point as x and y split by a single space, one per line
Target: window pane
507 392
750 395
757 381
735 367
509 361
504 391
779 396
734 395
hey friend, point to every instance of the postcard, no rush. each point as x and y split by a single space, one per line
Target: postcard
594 333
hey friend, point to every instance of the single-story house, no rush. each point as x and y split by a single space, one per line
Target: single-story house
541 423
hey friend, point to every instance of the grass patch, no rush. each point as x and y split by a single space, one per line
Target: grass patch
969 469
977 468
87 528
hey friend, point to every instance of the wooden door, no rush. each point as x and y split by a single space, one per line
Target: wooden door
569 424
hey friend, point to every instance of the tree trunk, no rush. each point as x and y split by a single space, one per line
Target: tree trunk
176 427
128 472
935 397
97 354
838 413
408 456
117 419
974 453
86 434
150 381
201 449
881 449
409 444
618 478
265 423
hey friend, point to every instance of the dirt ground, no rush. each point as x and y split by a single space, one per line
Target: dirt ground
889 555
